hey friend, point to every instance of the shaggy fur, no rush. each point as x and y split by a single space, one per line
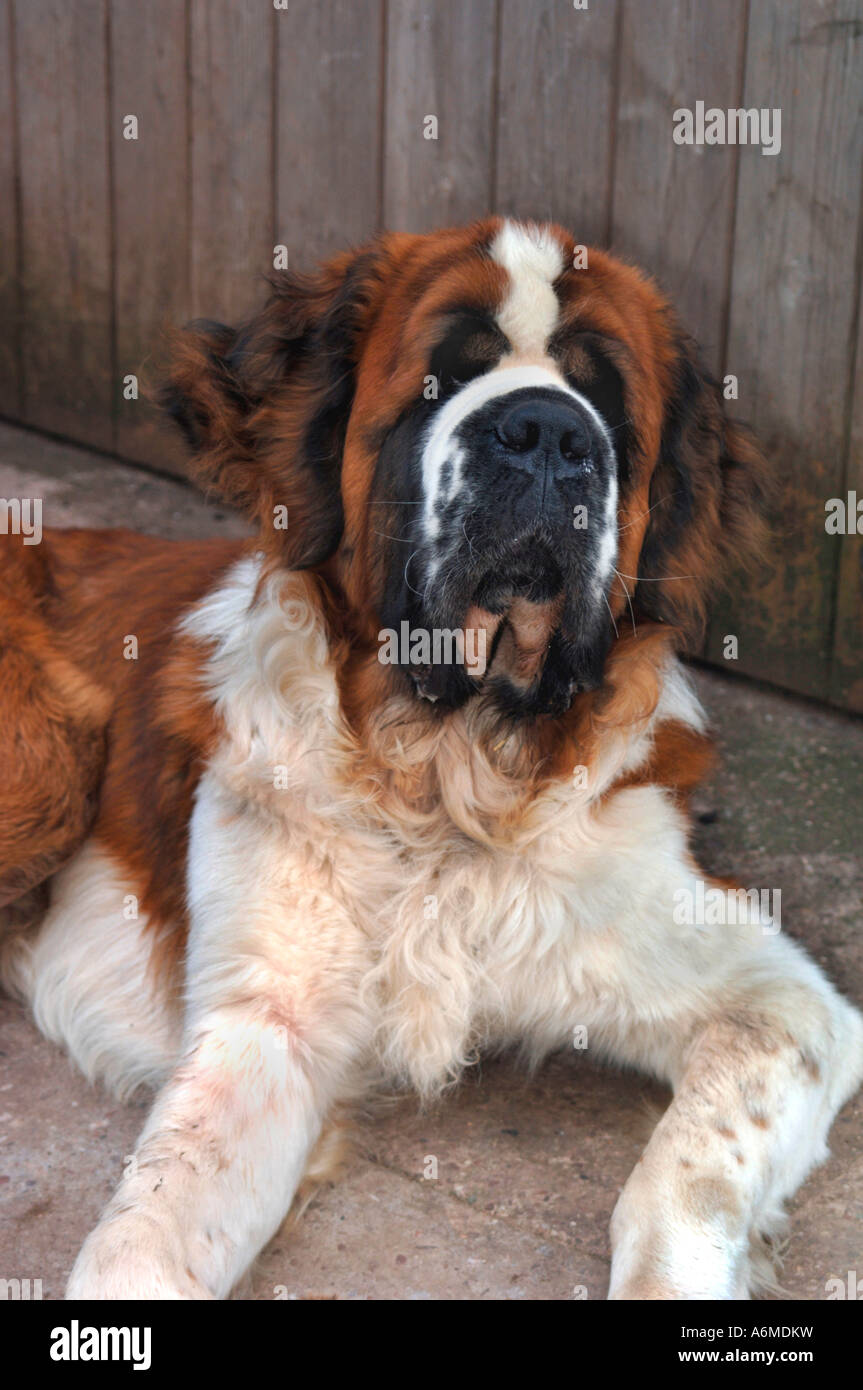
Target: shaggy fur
278 877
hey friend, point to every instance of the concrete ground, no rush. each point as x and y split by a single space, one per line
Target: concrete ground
527 1171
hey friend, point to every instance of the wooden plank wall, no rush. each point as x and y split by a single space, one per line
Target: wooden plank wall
305 127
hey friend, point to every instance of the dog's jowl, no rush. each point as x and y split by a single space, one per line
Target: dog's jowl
475 441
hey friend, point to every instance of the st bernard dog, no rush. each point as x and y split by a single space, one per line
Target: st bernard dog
302 845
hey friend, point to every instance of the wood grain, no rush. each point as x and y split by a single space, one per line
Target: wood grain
151 199
441 59
792 321
10 307
233 197
846 672
328 128
66 250
674 204
556 114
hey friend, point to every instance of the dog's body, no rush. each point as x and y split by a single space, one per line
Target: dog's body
281 876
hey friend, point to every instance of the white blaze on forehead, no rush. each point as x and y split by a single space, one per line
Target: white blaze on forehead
533 259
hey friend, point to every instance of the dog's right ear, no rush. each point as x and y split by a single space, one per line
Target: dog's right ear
265 407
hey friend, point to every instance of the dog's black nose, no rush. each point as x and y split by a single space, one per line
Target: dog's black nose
555 432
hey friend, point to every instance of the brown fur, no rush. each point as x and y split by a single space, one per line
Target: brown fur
289 410
87 592
52 732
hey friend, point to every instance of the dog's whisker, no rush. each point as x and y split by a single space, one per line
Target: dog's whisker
611 615
407 581
628 597
635 520
660 579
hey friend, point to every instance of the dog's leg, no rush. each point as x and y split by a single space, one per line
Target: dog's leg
757 1081
274 1037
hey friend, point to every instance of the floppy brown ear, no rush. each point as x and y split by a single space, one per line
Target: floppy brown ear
265 406
708 497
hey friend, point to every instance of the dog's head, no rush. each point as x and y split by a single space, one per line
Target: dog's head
474 433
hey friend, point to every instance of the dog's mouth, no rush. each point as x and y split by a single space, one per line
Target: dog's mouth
515 614
513 642
514 610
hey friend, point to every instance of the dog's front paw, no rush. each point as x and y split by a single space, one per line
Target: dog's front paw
662 1250
133 1256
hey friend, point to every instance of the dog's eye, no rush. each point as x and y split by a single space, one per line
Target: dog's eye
596 367
578 363
584 356
470 348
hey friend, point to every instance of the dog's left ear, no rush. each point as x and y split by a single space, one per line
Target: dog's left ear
265 406
709 496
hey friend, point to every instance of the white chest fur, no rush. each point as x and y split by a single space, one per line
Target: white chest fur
450 943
